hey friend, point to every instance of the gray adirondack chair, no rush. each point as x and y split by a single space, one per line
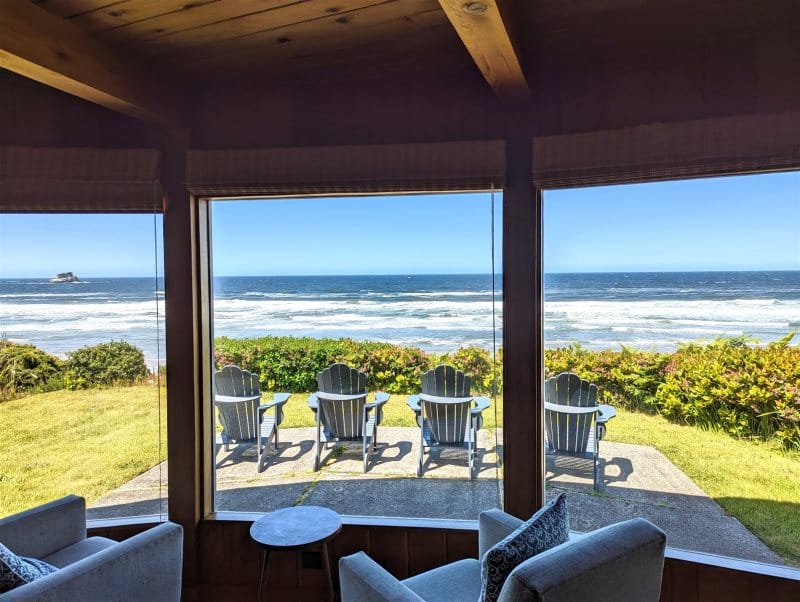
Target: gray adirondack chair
447 414
574 423
342 411
243 417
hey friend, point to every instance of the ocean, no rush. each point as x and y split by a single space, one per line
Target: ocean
435 312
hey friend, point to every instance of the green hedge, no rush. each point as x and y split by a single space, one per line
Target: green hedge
728 384
745 390
27 369
103 365
291 364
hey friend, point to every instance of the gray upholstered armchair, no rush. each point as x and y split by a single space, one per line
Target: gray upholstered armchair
622 562
145 567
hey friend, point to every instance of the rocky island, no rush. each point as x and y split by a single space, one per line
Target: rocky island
65 277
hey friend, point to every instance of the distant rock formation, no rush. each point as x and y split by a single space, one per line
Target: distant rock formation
65 277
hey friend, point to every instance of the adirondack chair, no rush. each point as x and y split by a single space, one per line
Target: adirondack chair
342 411
243 417
447 414
574 422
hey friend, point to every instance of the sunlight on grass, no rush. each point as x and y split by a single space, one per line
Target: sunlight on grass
758 483
83 442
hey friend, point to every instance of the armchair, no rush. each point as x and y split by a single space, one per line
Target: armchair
622 562
145 567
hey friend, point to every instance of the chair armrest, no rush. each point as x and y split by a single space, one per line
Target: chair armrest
364 580
494 525
313 402
235 398
146 566
562 409
605 412
380 399
413 403
278 399
481 403
377 405
277 402
40 531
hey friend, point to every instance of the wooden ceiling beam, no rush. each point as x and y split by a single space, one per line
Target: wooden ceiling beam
480 26
46 48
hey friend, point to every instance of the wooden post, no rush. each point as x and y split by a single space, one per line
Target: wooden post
183 383
523 367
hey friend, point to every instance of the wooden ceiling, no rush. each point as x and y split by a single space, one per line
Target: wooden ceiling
236 39
141 57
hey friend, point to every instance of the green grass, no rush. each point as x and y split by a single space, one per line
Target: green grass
758 483
85 442
90 442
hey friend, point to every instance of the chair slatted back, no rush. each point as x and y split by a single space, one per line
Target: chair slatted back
344 419
237 417
446 381
447 422
569 432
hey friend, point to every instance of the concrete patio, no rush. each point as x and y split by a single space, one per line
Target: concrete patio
637 481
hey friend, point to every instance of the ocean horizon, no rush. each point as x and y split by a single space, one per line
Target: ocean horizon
436 312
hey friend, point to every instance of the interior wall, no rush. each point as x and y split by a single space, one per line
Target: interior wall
32 114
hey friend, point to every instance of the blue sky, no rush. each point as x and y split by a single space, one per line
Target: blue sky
734 223
90 245
434 234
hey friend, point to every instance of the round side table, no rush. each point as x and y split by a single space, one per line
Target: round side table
296 528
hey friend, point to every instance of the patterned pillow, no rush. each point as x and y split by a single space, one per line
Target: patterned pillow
18 570
546 529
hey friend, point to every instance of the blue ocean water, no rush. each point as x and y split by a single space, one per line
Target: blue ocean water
435 312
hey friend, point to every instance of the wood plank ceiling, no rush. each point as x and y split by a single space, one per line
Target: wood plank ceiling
115 52
233 40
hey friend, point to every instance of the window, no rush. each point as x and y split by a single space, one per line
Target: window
680 301
83 404
389 285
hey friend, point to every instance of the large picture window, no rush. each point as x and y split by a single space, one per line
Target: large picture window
391 287
82 397
675 307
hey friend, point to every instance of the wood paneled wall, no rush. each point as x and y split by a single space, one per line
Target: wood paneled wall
31 114
230 565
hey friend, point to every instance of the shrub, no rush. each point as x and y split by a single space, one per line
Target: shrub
105 364
744 390
625 378
27 369
477 363
291 364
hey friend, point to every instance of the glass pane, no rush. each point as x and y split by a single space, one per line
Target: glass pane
391 286
680 301
83 405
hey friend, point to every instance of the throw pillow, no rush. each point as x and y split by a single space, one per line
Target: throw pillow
546 529
18 570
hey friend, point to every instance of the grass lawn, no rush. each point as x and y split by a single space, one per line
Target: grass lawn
90 442
758 483
85 442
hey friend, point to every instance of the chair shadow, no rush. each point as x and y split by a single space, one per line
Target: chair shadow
558 464
353 448
245 452
379 456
